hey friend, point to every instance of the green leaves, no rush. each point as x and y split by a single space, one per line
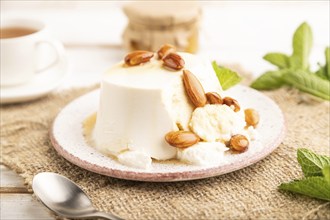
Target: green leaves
316 187
311 163
269 80
324 71
226 77
294 70
308 82
302 44
316 169
278 59
326 173
327 61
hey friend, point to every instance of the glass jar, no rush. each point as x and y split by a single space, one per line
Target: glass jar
152 24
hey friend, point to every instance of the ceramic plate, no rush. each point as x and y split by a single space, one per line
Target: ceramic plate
42 84
67 138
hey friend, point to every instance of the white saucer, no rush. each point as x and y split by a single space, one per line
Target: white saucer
68 140
42 84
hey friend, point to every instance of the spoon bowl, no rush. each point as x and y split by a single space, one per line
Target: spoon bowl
64 197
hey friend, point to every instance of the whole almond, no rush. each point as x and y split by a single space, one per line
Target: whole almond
181 139
231 102
213 98
173 61
137 57
251 117
194 89
239 143
165 50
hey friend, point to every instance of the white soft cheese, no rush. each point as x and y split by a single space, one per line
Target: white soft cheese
135 159
140 104
203 153
251 133
216 122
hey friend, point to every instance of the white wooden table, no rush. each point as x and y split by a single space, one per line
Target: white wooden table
231 32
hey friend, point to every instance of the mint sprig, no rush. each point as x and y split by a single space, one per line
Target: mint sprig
316 169
326 173
270 80
278 59
226 77
294 70
309 83
324 71
311 163
302 45
315 186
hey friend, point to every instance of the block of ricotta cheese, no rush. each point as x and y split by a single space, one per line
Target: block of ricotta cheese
140 104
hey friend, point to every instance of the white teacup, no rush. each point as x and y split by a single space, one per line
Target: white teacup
22 48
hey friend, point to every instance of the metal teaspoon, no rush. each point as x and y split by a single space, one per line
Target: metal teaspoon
64 197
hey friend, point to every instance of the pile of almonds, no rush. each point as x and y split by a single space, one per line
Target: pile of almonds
171 60
197 96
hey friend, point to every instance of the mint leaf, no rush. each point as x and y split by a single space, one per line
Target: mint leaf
311 163
327 61
314 186
269 80
302 45
226 77
308 82
324 71
278 59
317 170
326 173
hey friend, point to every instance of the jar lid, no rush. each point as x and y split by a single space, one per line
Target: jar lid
162 13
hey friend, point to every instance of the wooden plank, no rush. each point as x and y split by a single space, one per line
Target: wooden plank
14 190
22 206
16 201
9 178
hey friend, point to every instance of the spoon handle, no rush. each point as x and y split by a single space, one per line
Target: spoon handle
107 216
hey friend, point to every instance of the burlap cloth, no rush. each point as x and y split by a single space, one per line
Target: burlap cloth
250 193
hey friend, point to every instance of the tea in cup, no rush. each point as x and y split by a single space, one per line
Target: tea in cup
20 41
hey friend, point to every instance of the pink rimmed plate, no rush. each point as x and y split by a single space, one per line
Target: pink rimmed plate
68 140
